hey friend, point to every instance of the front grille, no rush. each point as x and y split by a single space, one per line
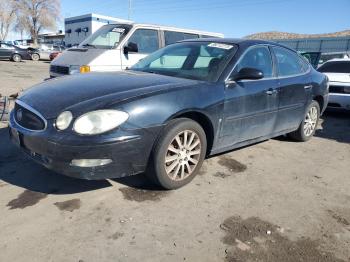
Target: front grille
28 119
339 89
63 70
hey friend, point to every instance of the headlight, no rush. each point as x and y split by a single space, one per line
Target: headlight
76 69
100 121
63 120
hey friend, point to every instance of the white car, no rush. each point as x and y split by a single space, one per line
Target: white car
115 47
338 72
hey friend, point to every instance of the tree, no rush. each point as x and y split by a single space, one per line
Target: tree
7 17
36 15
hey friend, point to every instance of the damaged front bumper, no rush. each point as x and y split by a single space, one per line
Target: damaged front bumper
127 152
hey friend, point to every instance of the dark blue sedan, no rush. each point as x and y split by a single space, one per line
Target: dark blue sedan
167 113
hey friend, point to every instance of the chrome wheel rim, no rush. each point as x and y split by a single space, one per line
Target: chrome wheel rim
16 58
35 57
182 155
310 121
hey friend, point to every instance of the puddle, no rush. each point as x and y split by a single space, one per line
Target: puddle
253 239
26 199
232 164
140 195
69 205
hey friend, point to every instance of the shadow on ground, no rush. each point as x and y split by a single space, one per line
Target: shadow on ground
18 170
335 126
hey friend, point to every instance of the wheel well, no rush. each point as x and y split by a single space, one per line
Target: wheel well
319 100
205 123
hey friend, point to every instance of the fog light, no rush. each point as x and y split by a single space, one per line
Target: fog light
84 69
90 162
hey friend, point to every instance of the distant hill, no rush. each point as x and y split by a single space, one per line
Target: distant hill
285 35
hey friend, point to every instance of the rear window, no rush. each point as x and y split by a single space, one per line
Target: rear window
335 67
172 37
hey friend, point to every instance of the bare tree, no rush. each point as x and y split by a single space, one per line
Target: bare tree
7 17
37 15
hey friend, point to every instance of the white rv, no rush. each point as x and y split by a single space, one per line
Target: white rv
118 46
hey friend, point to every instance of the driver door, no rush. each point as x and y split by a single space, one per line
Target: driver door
250 106
147 41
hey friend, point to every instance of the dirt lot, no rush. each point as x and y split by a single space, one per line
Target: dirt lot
274 201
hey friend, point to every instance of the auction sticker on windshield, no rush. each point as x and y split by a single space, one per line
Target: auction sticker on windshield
220 45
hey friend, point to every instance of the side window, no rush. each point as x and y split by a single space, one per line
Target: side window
258 58
172 37
289 63
146 40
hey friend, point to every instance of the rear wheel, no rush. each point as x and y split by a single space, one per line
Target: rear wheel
35 57
16 58
178 154
308 126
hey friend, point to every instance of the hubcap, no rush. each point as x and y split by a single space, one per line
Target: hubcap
182 155
310 121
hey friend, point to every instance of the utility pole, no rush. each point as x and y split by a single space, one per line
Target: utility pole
129 10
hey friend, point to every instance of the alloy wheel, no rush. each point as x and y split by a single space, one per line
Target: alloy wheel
310 121
182 155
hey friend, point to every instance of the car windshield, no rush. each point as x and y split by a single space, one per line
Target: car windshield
335 67
193 60
107 37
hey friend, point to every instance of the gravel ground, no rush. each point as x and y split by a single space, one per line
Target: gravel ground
274 201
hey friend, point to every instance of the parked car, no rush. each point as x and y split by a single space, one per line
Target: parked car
54 54
16 54
46 50
338 72
15 43
113 47
169 111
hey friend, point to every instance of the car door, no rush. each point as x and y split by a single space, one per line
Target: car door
147 41
6 50
250 106
295 88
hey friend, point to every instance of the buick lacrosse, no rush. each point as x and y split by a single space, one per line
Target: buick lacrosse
168 112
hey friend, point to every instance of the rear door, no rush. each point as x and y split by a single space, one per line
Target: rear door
147 41
6 50
295 88
250 107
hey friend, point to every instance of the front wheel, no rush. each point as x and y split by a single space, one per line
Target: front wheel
308 126
178 154
35 57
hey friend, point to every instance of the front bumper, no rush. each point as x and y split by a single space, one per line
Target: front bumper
339 101
129 152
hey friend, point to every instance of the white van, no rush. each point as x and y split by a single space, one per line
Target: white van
118 46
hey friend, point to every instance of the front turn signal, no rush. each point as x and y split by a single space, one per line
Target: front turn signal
84 69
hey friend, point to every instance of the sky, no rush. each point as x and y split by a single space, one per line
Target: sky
234 18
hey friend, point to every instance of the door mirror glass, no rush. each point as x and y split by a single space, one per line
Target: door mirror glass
248 74
131 47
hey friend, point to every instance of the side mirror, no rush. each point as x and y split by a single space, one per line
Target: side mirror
248 73
131 47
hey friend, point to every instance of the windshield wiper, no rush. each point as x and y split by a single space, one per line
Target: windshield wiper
85 45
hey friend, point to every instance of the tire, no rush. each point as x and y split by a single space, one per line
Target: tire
309 124
35 57
16 58
183 161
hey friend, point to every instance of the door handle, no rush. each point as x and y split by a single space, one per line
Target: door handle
271 91
307 87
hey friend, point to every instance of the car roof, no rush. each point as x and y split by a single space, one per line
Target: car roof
237 41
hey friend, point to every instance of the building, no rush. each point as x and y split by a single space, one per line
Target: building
52 38
78 28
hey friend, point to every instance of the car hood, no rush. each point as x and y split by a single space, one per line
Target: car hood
96 89
338 77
